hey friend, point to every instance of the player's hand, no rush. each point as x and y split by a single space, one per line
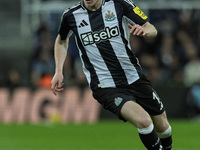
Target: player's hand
137 30
57 83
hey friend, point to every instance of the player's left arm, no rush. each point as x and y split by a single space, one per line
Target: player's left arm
142 26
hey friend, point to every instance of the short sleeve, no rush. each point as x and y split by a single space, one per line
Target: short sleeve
64 28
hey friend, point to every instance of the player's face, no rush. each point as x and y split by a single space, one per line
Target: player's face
92 4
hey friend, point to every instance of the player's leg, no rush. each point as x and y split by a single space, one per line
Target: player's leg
136 115
163 129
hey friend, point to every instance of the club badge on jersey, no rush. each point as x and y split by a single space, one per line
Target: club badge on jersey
110 16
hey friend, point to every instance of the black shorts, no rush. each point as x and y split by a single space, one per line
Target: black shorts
140 91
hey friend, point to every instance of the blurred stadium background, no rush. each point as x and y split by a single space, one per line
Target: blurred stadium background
31 117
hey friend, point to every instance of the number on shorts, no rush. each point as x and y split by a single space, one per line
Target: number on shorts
156 97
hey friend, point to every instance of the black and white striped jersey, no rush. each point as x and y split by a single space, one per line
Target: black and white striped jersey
103 42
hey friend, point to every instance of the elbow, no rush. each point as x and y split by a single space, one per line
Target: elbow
153 34
151 31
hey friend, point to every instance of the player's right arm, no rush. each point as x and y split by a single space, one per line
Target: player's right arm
60 52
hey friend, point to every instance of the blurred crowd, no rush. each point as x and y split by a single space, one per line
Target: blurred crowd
172 59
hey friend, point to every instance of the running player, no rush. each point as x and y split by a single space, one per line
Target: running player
112 70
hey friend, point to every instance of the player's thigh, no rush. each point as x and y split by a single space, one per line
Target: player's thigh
135 114
161 123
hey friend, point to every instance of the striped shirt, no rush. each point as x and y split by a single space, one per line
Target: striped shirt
103 42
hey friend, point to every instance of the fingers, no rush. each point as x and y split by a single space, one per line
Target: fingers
59 87
56 87
129 25
136 30
60 84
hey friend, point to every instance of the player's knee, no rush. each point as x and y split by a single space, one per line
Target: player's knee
144 122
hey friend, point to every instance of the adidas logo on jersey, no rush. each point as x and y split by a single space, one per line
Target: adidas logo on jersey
89 38
83 24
